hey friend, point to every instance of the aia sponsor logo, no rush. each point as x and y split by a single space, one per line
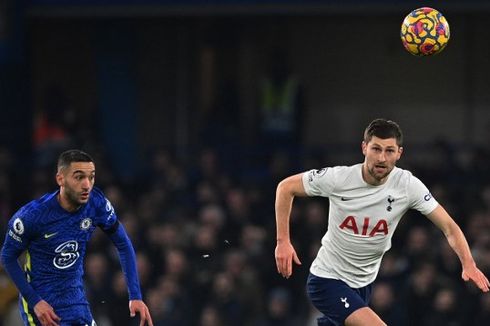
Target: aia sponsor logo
381 226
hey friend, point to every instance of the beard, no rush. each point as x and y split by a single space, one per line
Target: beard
379 176
73 198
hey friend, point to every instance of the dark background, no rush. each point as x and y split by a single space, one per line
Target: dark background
167 97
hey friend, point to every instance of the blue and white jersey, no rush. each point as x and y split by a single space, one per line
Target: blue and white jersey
55 242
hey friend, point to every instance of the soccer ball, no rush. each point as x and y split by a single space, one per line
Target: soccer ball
424 32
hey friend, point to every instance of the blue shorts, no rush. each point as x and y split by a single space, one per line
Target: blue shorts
78 315
335 299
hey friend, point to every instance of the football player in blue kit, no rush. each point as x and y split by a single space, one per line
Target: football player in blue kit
54 231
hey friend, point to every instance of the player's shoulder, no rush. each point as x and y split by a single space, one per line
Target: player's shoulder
97 197
99 201
102 208
33 214
346 171
37 208
326 172
401 176
403 173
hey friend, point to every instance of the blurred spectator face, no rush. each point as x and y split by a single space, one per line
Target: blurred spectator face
144 267
316 215
223 286
146 209
176 263
168 287
213 216
423 278
252 239
383 297
210 317
119 284
161 162
444 300
279 301
164 236
237 202
168 236
477 226
418 240
392 264
155 303
130 223
115 196
205 239
235 262
208 163
96 267
206 193
280 164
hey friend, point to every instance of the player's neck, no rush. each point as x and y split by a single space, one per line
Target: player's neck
369 179
66 204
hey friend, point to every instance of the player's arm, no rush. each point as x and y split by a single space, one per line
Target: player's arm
458 242
15 244
127 257
286 190
9 256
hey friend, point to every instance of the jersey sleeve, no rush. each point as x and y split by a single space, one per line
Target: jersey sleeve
319 182
106 215
20 231
420 197
107 220
127 258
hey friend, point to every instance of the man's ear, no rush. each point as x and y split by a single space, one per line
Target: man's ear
59 179
364 147
400 152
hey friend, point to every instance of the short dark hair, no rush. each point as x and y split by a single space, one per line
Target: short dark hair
384 129
72 155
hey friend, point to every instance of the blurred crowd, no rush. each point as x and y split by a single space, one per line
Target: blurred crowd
204 233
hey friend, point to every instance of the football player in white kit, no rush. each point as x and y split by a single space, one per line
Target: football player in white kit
367 201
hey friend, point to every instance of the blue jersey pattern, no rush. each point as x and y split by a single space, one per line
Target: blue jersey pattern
56 242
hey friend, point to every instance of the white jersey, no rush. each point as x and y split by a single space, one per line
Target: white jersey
362 219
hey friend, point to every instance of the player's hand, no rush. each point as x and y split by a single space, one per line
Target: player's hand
138 306
285 254
45 314
474 274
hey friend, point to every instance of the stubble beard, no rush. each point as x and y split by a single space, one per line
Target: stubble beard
72 197
377 176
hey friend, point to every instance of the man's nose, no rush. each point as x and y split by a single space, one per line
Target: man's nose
86 183
382 156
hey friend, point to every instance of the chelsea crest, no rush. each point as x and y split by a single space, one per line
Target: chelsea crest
86 223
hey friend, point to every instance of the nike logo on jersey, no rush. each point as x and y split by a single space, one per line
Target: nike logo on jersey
345 198
49 235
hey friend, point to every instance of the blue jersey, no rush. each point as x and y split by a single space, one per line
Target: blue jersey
56 241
